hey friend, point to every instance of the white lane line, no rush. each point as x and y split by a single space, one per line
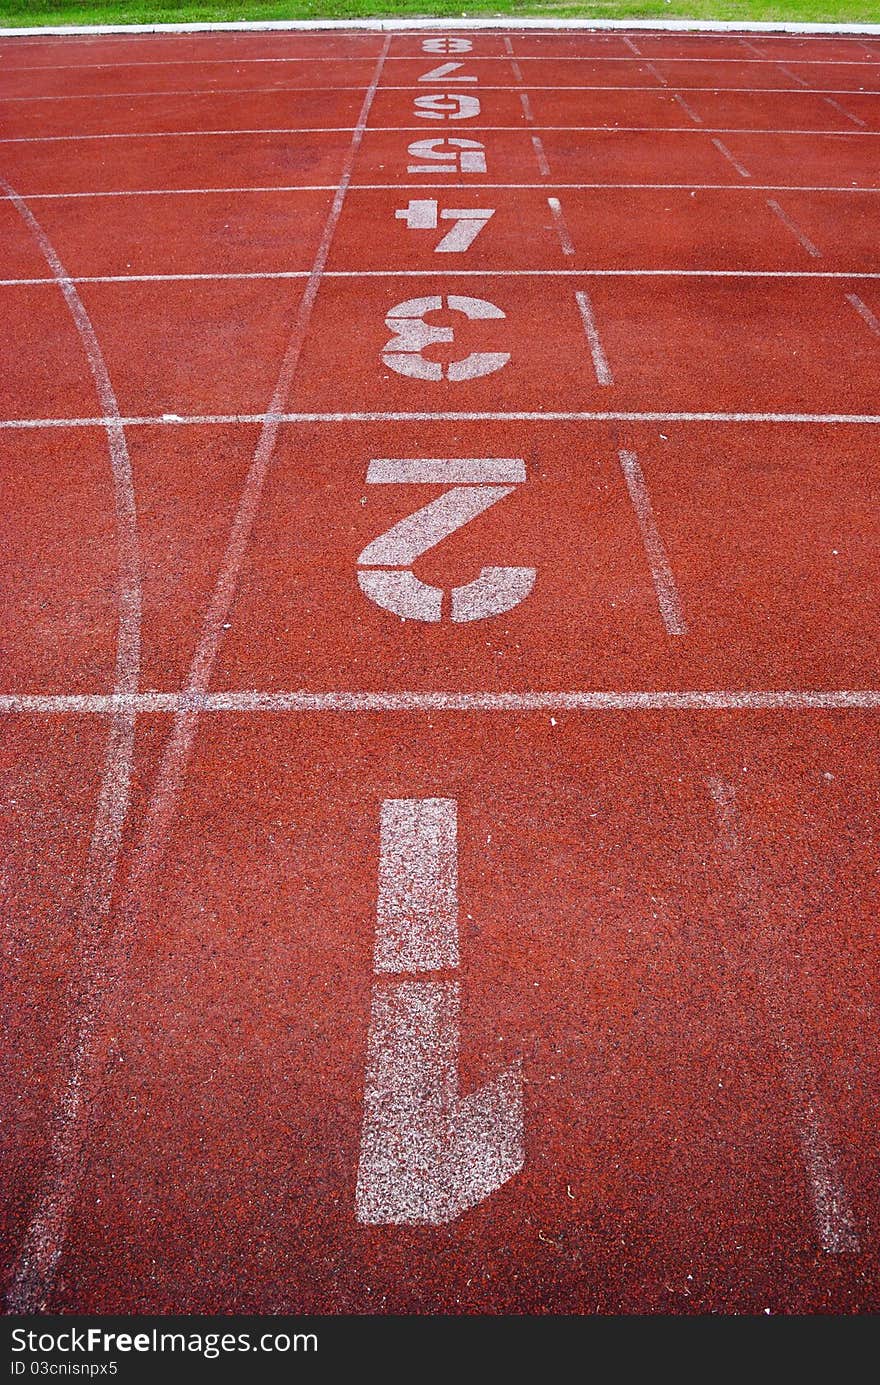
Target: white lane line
816 133
450 416
74 1118
856 119
346 700
870 319
417 915
600 362
834 1218
656 74
531 86
792 76
795 230
723 149
561 229
398 186
537 142
590 58
36 1261
540 155
689 111
527 110
665 586
283 274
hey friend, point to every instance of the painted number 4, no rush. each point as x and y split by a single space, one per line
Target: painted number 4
467 223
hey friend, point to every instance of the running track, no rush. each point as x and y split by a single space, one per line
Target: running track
440 690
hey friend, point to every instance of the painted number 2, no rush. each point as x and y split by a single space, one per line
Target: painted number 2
385 572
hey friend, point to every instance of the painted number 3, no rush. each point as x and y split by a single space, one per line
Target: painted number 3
412 334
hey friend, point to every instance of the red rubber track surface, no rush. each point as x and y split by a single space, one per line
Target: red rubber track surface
666 908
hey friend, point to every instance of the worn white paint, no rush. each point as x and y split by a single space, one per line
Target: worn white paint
403 352
417 914
791 225
428 1153
835 1222
446 471
493 591
597 351
447 105
35 1265
456 416
731 159
451 155
446 73
412 701
871 321
662 576
562 231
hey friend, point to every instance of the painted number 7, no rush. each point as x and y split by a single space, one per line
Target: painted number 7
473 484
468 222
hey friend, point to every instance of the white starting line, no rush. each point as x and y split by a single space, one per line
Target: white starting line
689 700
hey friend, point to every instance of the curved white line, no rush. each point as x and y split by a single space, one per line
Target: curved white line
38 1257
105 985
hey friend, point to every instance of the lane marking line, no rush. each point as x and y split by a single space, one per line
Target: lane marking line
689 111
795 230
400 186
44 1238
792 76
600 362
723 149
864 312
532 86
819 132
662 576
451 416
341 700
540 155
834 1218
282 274
856 119
41 1247
562 232
590 58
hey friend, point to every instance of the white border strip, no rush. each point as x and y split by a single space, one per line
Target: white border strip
449 25
725 700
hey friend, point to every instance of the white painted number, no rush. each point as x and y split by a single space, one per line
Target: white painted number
468 222
403 352
446 45
446 105
385 572
444 72
428 1153
452 155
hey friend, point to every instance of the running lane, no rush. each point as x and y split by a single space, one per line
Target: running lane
440 688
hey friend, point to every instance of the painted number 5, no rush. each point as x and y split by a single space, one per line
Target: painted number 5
412 334
473 484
